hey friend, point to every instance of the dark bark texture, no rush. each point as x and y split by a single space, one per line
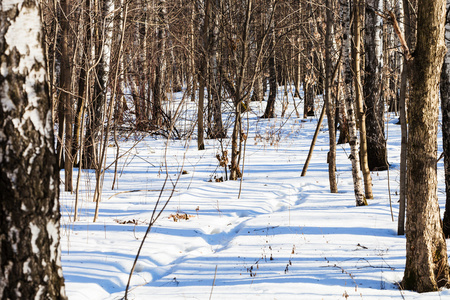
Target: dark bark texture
376 144
329 102
426 250
30 266
445 108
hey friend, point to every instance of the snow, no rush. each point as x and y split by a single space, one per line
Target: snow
285 237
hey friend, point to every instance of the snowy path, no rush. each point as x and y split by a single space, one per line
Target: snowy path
286 237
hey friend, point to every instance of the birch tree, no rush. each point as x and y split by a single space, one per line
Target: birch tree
30 262
373 98
360 113
351 114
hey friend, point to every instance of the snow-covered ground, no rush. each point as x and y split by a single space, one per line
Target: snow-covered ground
275 235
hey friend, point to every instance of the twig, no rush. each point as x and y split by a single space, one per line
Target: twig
214 282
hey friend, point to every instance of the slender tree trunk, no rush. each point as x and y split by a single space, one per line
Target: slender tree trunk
329 103
351 114
218 131
270 107
404 18
192 53
65 98
236 142
203 71
297 66
403 152
342 114
159 89
376 144
426 250
84 65
30 256
354 154
359 98
258 94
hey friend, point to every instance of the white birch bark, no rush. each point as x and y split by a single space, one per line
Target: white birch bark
30 256
351 115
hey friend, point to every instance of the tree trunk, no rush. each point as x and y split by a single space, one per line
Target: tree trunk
159 89
329 103
203 71
359 98
258 94
84 66
403 152
192 44
65 98
351 114
426 250
376 144
270 107
30 257
404 18
217 130
445 108
236 141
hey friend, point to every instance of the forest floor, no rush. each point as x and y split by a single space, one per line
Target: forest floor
273 235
